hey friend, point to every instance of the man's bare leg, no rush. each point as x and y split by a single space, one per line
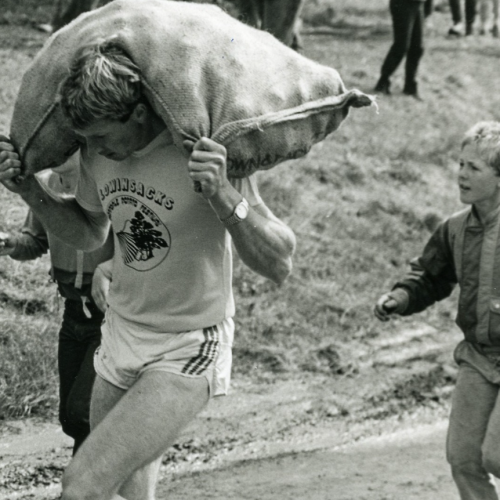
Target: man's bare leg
140 426
142 483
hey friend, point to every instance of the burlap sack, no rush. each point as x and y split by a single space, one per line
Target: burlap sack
205 73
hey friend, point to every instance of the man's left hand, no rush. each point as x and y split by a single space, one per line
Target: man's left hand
100 288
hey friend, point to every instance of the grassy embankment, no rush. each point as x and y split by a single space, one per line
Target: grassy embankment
361 203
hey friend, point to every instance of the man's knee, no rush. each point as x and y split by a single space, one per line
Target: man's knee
79 483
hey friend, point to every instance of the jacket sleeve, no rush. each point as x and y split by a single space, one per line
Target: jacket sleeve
432 276
32 242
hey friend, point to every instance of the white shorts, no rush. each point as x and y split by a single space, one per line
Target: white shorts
127 351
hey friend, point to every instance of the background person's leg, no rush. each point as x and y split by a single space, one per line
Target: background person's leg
495 28
456 11
402 28
67 10
470 16
457 27
484 10
70 356
140 426
472 404
416 49
78 401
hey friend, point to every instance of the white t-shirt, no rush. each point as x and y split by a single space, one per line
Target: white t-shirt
172 268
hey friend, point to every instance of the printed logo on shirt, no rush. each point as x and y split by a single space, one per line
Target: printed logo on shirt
144 239
137 188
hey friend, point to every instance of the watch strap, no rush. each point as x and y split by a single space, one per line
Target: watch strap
234 218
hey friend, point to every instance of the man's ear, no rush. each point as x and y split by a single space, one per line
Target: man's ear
140 113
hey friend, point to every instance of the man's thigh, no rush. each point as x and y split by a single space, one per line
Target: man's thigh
472 404
138 428
104 398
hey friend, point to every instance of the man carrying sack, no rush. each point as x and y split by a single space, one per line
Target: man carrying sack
148 86
167 335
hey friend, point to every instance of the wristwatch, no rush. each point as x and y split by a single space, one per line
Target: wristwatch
240 213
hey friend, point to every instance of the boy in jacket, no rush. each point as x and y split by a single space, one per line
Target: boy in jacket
80 332
465 249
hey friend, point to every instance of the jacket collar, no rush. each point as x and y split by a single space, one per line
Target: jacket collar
491 218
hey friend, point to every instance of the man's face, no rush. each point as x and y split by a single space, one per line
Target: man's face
113 139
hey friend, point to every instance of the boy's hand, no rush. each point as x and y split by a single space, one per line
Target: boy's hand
207 166
390 303
10 165
7 244
100 289
384 307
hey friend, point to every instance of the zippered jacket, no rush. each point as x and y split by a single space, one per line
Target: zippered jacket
466 251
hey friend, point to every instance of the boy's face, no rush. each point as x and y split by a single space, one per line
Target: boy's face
117 140
477 181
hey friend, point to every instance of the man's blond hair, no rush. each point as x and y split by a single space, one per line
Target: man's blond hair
104 84
486 136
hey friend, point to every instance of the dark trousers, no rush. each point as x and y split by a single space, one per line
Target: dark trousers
456 11
78 339
408 30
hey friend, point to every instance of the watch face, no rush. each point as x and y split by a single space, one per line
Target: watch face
241 211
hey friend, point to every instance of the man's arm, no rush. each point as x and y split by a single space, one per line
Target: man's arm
264 243
61 215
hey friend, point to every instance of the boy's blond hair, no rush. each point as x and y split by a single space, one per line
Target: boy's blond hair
104 84
486 137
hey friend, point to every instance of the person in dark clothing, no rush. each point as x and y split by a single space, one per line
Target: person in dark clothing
408 28
73 271
456 15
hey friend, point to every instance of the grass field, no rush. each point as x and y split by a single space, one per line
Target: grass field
362 203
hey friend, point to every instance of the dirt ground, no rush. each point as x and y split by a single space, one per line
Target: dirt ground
408 463
374 435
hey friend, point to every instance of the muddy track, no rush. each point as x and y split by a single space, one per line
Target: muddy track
270 423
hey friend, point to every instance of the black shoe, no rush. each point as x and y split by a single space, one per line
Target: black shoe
469 30
412 90
383 86
416 96
456 30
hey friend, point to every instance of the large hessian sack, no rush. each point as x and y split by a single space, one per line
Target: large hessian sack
205 73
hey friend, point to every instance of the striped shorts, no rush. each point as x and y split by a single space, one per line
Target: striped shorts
127 351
